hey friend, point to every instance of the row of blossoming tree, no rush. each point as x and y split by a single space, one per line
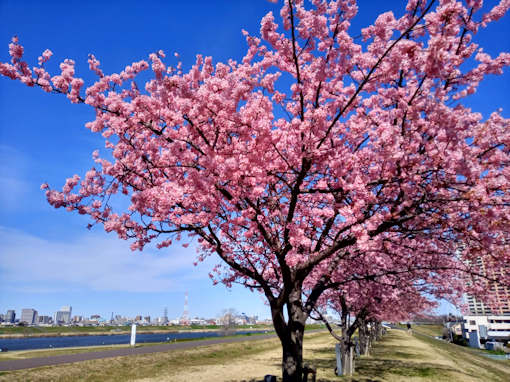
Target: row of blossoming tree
363 303
316 165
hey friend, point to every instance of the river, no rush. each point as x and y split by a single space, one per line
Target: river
31 343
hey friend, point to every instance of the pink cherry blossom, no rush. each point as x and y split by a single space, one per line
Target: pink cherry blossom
376 172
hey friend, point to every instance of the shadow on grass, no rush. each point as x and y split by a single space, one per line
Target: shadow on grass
382 364
388 360
381 367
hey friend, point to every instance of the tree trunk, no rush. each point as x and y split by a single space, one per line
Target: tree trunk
347 350
378 330
372 333
291 333
364 340
346 345
292 361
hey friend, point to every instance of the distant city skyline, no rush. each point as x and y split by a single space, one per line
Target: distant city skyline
47 257
444 307
107 316
31 316
94 283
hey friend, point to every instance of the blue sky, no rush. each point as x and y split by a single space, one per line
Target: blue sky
47 257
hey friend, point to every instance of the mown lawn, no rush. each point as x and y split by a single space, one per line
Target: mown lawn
431 330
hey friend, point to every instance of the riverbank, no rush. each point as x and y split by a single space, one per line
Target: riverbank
63 331
24 354
33 368
399 357
48 343
54 351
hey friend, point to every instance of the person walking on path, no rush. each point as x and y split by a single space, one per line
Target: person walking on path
409 330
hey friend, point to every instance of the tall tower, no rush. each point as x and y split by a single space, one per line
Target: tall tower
185 313
498 293
165 316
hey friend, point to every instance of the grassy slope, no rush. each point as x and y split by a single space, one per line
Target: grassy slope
431 330
470 360
22 354
399 357
143 366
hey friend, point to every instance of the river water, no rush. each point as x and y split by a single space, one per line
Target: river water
27 343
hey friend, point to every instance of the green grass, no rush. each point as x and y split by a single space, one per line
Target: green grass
471 358
416 358
168 363
452 348
22 354
63 330
398 357
315 327
429 329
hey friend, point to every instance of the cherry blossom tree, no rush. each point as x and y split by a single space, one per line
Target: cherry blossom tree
315 149
363 305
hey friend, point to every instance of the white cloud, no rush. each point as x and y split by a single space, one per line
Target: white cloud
94 261
13 192
14 189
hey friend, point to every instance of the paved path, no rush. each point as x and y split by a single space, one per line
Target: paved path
28 363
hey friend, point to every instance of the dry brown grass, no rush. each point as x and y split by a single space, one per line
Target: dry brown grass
23 354
402 357
156 365
399 357
431 330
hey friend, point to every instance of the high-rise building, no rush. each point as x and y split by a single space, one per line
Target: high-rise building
67 313
63 316
10 316
498 295
165 317
46 320
29 316
58 317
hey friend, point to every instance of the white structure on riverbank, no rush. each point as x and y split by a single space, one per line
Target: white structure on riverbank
63 316
488 327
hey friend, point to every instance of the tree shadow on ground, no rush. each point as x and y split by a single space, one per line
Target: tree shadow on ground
378 366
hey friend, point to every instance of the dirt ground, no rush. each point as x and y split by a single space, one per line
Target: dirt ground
252 368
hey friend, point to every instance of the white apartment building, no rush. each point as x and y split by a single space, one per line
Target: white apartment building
489 327
63 316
